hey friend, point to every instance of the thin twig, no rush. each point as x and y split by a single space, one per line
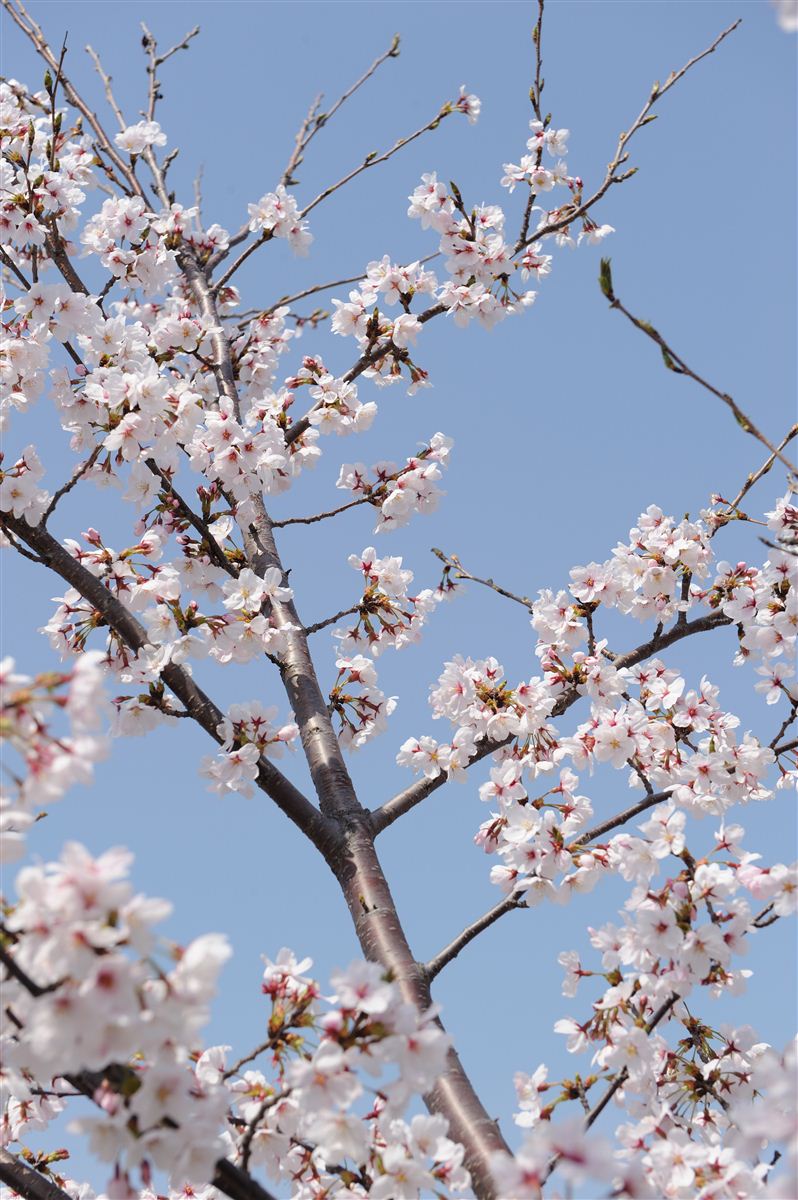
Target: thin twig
345 612
534 96
452 561
333 512
319 120
733 505
436 964
675 363
107 80
374 159
75 478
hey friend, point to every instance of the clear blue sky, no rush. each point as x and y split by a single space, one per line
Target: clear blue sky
565 424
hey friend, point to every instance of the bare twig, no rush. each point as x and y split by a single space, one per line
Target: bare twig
733 505
374 159
677 364
107 80
445 956
452 561
345 612
316 121
74 479
333 512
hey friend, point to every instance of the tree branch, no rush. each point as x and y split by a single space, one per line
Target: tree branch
285 795
405 800
23 20
675 363
453 562
450 952
733 505
74 479
26 1181
590 835
621 155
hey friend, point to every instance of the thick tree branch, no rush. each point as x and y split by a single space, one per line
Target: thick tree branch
27 1181
354 861
203 710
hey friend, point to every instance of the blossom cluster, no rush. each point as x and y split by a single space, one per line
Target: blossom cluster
700 1106
52 761
399 492
90 1003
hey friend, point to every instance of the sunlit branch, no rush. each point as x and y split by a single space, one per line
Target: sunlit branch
675 363
445 956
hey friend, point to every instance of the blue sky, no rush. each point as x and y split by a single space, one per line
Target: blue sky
565 424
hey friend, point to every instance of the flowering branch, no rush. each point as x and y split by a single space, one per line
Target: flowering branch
621 155
285 795
22 18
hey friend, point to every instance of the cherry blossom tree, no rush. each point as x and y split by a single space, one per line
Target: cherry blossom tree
192 406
